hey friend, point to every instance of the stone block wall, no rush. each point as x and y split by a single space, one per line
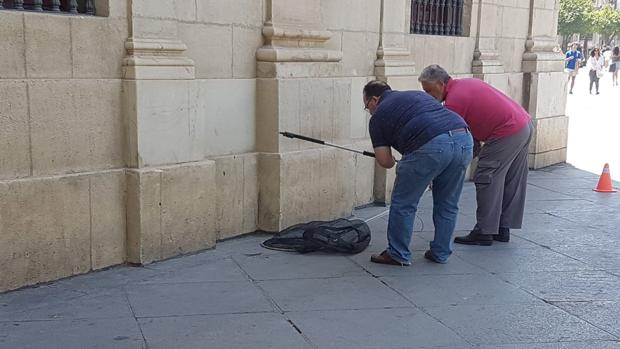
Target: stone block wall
151 130
62 167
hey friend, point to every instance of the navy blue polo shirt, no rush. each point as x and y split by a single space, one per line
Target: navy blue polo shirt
406 120
573 62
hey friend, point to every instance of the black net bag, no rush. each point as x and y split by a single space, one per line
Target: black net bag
340 235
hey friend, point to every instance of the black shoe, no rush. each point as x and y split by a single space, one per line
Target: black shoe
475 238
503 235
429 255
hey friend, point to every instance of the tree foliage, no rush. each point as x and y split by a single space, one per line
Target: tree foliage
575 17
606 21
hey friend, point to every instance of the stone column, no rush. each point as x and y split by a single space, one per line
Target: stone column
395 66
486 56
170 207
297 92
544 85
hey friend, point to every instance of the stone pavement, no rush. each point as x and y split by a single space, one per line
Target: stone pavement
555 285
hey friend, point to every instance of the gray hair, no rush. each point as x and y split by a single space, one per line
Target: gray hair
434 73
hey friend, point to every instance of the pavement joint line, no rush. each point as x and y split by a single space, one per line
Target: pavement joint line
584 320
133 313
168 283
559 252
62 319
413 304
348 309
207 314
274 304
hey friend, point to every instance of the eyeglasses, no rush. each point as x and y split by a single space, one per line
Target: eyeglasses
366 104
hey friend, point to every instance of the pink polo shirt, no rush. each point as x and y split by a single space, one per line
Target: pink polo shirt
489 113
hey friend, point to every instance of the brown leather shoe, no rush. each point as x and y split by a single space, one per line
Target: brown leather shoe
385 258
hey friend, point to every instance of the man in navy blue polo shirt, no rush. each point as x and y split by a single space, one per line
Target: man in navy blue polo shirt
572 61
436 147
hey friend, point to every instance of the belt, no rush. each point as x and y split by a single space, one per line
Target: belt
457 130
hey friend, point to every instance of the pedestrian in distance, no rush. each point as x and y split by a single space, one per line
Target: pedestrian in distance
614 66
506 130
595 66
436 148
572 63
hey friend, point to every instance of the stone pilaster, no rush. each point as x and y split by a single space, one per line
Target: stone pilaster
486 60
544 85
170 207
395 66
298 90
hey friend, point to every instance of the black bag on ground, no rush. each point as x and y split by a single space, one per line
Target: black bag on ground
340 235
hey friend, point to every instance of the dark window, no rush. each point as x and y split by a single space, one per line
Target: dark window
86 7
437 17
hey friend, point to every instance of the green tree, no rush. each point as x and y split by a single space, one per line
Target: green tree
575 17
606 21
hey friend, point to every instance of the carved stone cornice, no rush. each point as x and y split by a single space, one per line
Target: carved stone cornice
393 62
486 62
284 44
156 59
542 55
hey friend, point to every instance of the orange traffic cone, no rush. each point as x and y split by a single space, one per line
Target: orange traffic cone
604 183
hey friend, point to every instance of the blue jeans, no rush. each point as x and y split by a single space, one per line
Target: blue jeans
443 160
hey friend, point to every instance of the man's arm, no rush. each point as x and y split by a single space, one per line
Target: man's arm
384 157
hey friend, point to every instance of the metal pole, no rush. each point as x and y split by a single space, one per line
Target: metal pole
318 141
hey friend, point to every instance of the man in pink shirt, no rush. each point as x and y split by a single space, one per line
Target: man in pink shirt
505 129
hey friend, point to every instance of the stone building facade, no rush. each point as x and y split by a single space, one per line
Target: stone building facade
151 129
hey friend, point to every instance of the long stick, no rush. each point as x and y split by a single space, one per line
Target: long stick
318 141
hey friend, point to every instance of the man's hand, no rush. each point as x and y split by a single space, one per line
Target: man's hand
384 157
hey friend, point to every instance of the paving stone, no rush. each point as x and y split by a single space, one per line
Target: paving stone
515 323
520 260
601 314
239 331
121 333
564 184
369 212
535 193
560 238
54 302
296 266
549 206
115 277
543 222
197 299
568 286
419 266
604 256
246 245
437 290
378 328
359 292
214 269
558 345
599 218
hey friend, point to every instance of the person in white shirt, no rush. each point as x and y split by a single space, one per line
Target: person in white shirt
596 64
